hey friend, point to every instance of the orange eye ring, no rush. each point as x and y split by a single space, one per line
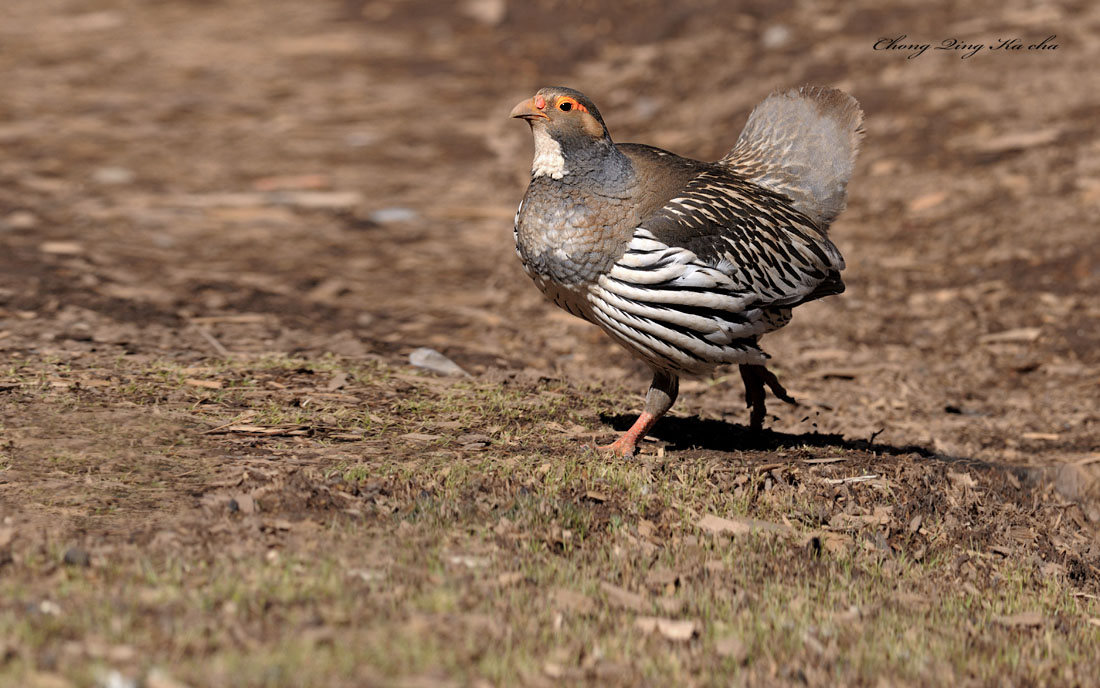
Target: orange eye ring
565 104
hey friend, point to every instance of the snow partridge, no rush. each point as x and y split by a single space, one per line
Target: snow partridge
687 263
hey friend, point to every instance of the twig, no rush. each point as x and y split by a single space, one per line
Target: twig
190 472
214 343
247 415
236 318
855 479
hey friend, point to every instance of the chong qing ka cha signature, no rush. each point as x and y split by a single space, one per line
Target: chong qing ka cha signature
916 49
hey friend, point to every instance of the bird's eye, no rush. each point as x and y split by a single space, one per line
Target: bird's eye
565 106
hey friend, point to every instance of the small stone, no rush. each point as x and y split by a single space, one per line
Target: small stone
114 176
670 628
49 608
776 36
317 200
20 219
358 139
430 359
77 556
116 679
730 646
1021 620
1073 482
385 216
61 248
158 678
244 504
488 12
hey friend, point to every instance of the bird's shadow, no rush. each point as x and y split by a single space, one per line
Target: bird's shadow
692 432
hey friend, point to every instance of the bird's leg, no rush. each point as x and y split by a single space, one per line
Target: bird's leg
658 400
755 377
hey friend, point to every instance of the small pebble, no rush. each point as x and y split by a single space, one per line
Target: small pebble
77 556
114 176
20 219
430 359
387 215
776 36
358 139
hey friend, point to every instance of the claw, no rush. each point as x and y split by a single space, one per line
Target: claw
777 389
627 444
623 447
756 377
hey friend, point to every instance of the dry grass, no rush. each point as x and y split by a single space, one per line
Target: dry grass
449 536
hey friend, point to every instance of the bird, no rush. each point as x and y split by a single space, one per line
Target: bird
685 263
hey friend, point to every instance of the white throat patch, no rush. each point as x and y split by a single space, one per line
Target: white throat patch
549 160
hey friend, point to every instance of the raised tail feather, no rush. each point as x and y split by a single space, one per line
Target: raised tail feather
802 143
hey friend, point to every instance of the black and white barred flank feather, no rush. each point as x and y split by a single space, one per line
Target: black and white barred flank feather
714 269
676 312
736 246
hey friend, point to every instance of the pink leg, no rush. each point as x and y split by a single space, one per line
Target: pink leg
625 445
662 393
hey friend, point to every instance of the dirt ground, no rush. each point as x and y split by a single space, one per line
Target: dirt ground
225 225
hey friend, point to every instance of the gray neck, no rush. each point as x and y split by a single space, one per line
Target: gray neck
600 161
576 159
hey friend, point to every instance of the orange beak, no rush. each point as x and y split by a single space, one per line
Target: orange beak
530 109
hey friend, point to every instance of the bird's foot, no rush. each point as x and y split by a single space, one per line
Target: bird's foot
756 377
623 447
777 389
626 445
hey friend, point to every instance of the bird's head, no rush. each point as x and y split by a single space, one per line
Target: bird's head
564 112
566 125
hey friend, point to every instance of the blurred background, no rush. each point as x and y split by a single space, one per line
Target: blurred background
341 176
